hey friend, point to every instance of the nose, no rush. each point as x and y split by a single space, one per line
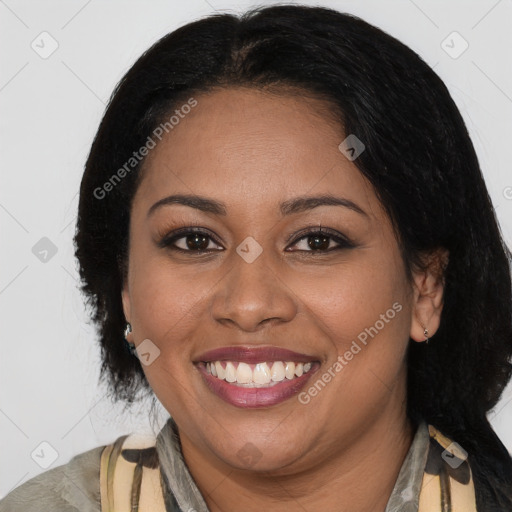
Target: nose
253 295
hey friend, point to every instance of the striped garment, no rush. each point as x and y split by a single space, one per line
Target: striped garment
131 480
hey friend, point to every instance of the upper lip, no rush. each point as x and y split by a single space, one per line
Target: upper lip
246 354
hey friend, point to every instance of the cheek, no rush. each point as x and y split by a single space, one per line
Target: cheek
164 307
362 310
364 315
165 297
350 299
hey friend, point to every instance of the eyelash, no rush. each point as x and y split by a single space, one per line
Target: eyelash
168 240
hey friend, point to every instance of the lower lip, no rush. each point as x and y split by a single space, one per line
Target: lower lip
251 398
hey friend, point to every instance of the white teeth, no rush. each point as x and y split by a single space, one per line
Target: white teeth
243 373
289 370
260 374
221 373
277 372
230 372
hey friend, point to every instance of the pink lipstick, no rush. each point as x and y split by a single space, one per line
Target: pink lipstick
252 377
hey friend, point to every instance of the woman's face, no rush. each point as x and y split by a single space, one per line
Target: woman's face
268 284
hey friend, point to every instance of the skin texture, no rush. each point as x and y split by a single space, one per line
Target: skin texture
253 150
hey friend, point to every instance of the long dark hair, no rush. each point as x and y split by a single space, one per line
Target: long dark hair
419 159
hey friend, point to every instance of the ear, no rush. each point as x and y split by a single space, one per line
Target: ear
428 295
125 297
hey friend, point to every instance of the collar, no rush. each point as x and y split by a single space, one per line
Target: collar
182 491
406 492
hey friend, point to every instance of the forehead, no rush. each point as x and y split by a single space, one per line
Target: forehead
247 146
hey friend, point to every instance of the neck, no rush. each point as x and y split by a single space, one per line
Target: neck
339 482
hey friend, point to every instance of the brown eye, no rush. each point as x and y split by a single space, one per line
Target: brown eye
319 242
322 241
196 241
189 240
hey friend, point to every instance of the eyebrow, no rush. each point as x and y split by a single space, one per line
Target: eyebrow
290 207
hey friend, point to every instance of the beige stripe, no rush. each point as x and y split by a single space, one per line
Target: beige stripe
151 495
107 500
109 459
117 480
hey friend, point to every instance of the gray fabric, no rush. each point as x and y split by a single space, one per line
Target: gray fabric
404 497
72 487
175 472
406 493
75 486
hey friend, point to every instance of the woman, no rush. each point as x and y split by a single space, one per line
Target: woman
285 216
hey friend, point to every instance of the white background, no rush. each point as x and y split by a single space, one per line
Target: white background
50 110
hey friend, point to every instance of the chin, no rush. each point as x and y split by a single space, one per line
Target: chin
260 452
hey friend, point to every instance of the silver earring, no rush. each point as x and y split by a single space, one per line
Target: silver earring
425 332
128 330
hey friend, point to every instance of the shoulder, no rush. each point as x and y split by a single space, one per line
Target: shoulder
71 487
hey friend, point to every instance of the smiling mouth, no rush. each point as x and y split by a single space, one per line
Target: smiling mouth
254 377
259 375
261 385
